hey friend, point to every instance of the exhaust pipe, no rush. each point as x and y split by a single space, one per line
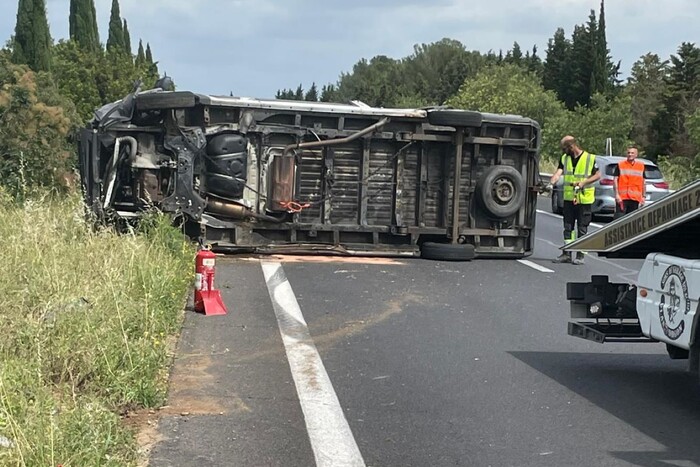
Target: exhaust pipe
235 211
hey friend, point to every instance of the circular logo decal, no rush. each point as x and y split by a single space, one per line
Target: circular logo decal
674 303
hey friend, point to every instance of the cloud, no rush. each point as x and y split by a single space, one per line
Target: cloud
254 47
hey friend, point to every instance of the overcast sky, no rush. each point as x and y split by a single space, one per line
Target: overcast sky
255 47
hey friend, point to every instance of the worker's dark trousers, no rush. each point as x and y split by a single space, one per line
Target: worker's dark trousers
628 205
581 215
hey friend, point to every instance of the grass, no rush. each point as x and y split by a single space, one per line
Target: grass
84 318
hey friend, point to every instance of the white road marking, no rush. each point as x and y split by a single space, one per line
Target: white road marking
628 272
534 265
558 216
331 438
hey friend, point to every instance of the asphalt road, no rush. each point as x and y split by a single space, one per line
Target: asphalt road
431 363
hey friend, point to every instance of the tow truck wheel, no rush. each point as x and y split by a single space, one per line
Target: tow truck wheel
447 251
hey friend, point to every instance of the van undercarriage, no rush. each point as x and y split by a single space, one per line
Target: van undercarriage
289 176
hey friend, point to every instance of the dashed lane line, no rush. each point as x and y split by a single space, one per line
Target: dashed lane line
329 433
534 265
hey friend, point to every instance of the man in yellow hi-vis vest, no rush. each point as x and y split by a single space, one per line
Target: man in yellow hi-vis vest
580 172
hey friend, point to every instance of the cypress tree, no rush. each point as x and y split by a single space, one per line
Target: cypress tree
607 72
140 55
127 38
83 25
116 32
151 65
32 44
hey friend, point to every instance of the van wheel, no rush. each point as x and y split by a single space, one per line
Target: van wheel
454 117
447 251
501 190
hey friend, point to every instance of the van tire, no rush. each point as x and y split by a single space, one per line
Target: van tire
454 117
501 191
447 251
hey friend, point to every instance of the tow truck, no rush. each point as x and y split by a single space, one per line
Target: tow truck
662 306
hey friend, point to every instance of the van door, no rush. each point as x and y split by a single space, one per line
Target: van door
672 301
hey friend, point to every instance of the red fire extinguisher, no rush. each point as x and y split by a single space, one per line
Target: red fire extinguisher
207 299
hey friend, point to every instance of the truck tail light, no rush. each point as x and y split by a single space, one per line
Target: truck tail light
607 181
662 185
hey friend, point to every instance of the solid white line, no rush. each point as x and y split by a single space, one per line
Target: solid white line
331 438
534 265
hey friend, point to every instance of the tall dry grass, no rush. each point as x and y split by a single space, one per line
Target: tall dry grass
84 316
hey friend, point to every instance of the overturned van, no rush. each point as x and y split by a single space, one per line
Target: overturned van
274 176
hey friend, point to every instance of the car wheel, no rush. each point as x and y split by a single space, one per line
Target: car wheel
447 251
501 191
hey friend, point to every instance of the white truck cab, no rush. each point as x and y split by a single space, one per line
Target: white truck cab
662 305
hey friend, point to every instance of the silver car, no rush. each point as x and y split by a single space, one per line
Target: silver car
656 186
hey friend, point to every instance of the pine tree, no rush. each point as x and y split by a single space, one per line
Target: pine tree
149 55
127 38
647 86
299 94
533 62
326 91
515 55
32 44
312 93
83 25
116 32
556 74
682 99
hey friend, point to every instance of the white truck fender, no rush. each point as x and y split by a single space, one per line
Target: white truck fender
669 312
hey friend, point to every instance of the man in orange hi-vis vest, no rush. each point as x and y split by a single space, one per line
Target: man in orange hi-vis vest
630 188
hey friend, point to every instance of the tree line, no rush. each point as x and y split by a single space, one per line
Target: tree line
48 89
574 88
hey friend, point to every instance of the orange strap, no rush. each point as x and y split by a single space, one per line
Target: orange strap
293 206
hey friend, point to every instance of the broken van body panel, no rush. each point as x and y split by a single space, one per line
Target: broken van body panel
275 176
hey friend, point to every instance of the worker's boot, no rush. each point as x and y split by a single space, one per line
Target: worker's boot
562 258
579 259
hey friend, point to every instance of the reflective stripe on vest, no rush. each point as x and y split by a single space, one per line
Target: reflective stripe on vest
572 174
630 183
